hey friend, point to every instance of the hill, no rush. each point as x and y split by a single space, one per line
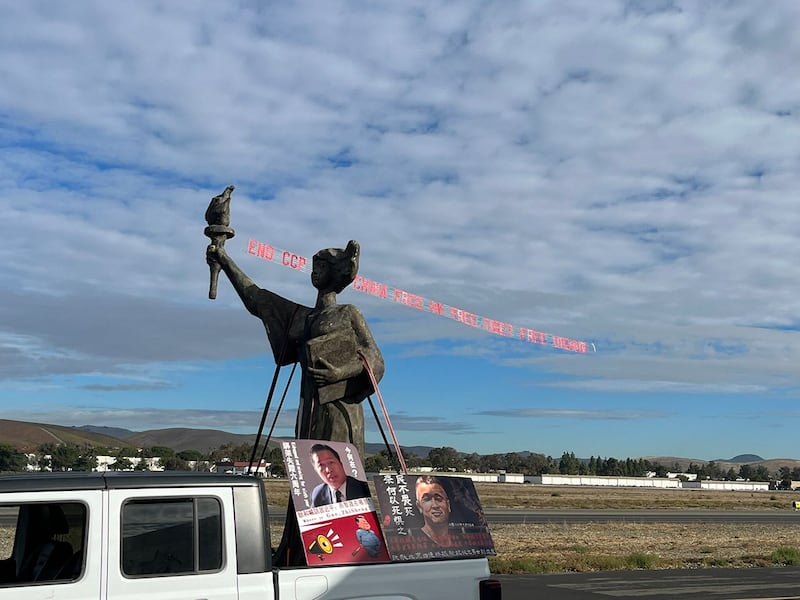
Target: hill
117 432
772 464
27 436
181 438
421 451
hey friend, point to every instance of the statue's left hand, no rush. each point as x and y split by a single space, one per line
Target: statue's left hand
327 374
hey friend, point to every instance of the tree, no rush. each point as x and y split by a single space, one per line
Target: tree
64 457
761 474
377 462
173 463
785 476
660 470
538 464
86 461
191 455
231 452
412 460
161 451
472 462
746 472
45 462
10 459
122 463
445 458
713 470
489 463
568 465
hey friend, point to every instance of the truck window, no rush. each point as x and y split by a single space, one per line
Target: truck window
171 536
41 542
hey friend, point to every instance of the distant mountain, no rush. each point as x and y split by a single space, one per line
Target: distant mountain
421 451
182 438
117 432
744 459
772 464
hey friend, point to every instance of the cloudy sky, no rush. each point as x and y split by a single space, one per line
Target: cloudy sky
623 174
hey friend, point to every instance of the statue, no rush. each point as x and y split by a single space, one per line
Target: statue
326 339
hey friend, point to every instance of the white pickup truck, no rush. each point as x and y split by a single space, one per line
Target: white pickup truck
175 536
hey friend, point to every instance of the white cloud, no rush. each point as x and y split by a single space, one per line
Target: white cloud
622 173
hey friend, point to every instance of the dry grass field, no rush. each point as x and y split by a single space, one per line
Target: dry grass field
597 546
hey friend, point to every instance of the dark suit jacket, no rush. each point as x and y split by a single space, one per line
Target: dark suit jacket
355 488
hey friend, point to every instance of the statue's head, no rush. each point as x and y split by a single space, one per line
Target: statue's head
334 268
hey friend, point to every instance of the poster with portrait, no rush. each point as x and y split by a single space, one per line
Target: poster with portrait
335 511
428 517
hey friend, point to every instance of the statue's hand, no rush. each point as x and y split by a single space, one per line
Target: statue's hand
214 254
327 374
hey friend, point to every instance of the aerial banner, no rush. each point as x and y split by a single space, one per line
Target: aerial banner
383 291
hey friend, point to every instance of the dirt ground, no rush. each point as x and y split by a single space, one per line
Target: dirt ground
598 546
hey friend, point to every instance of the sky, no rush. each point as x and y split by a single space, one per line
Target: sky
621 174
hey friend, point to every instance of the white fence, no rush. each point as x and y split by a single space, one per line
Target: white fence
602 481
596 480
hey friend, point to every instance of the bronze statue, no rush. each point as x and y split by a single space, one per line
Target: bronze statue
326 340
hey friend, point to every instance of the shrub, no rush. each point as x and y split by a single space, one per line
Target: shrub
641 560
786 555
516 566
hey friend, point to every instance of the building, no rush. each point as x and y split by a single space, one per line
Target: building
239 467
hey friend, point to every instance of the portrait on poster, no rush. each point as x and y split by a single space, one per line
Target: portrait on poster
428 517
333 504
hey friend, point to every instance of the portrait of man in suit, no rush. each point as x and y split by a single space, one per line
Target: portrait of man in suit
337 485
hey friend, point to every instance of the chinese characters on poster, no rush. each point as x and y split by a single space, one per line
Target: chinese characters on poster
335 512
427 517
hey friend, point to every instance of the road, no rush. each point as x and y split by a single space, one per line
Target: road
641 516
707 584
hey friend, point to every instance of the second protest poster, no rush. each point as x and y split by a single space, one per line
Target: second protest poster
432 516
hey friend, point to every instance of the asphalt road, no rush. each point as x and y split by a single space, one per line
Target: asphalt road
708 584
641 516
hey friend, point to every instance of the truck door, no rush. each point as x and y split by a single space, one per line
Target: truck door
50 545
171 544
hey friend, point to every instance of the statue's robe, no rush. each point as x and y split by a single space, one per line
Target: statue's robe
299 333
